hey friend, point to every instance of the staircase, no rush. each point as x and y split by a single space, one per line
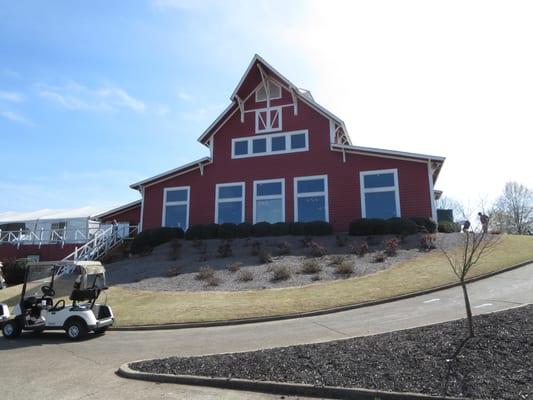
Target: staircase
101 244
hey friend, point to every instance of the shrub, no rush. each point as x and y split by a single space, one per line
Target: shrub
281 273
154 237
317 228
202 258
391 247
175 249
341 240
172 271
227 231
284 248
427 224
245 276
363 249
297 228
262 229
317 250
306 241
380 257
265 257
400 226
256 248
365 226
344 268
235 267
280 229
205 273
196 232
336 260
449 227
428 242
315 277
197 243
14 270
212 230
213 281
224 249
244 230
310 267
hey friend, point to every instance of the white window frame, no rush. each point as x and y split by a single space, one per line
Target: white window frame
270 82
269 197
268 122
176 203
395 188
269 150
297 195
232 199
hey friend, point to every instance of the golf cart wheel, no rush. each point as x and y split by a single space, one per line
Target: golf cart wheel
101 331
11 329
75 329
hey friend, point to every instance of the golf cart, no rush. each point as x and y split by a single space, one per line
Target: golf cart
43 305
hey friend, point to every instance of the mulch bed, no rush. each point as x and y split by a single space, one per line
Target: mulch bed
496 364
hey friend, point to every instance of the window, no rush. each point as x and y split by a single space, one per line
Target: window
268 120
276 143
229 203
311 199
380 196
176 207
274 91
58 230
269 201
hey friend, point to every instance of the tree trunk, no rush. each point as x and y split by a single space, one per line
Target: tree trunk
470 323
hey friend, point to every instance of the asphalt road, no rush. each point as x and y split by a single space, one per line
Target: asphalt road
47 366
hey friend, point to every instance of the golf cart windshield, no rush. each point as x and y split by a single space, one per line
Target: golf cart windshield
63 277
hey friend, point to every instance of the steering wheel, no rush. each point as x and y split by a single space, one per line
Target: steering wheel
48 291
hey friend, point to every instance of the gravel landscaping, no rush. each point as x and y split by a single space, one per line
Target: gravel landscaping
496 364
168 269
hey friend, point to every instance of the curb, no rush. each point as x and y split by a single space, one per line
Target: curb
188 325
278 388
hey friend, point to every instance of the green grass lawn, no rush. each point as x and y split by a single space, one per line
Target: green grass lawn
133 307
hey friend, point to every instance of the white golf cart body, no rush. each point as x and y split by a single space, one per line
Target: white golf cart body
43 304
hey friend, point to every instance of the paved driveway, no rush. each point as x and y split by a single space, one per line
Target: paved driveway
49 367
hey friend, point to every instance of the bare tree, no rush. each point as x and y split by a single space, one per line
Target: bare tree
460 210
513 211
475 245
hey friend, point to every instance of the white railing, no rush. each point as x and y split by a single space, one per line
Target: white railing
100 244
44 236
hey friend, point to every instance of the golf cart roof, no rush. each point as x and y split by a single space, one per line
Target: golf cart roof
86 267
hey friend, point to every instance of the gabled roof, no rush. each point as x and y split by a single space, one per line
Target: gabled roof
133 204
171 173
248 83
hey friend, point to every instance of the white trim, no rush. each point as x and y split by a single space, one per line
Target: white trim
268 122
296 195
172 173
432 193
269 151
270 97
395 188
232 199
176 203
383 152
141 222
269 197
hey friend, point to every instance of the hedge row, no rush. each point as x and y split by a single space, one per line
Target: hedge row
147 240
449 227
228 231
392 226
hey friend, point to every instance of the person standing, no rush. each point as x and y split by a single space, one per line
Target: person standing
484 219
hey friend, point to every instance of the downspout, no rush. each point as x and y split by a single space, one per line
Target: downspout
141 191
432 192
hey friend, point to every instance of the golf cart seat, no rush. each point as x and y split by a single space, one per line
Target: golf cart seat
84 294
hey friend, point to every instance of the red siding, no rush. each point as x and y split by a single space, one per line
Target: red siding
47 252
131 215
343 178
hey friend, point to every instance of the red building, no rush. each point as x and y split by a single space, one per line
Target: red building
277 155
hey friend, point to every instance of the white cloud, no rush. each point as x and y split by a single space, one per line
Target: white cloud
16 117
75 96
12 97
182 95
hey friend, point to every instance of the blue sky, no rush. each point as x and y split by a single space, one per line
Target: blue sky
95 95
